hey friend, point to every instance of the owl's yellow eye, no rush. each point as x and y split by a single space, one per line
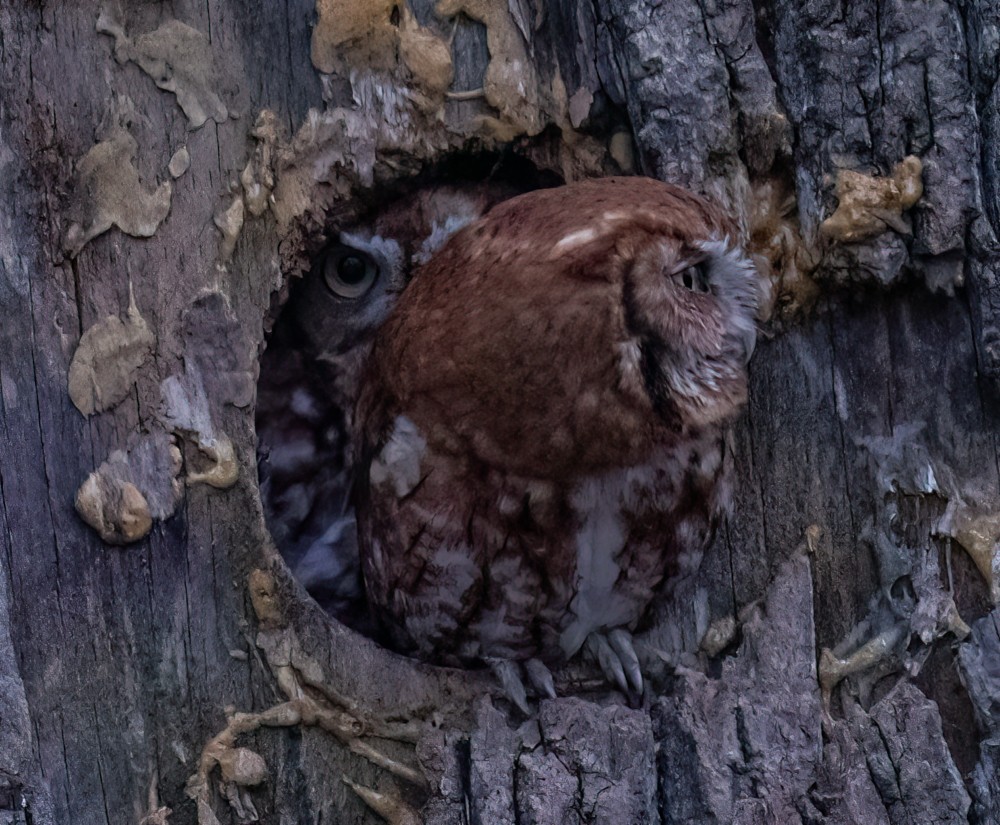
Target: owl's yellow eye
349 273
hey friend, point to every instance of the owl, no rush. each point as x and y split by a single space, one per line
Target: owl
542 425
310 369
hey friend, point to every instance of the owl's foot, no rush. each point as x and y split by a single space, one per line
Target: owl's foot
509 674
616 655
613 651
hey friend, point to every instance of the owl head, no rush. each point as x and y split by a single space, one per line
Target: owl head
357 275
349 291
356 278
689 293
573 329
691 302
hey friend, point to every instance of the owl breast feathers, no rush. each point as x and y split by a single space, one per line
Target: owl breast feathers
542 420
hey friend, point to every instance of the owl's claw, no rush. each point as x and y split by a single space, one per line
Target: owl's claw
507 672
540 677
617 658
621 643
599 648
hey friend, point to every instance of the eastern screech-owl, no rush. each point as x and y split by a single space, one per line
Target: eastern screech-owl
542 423
309 375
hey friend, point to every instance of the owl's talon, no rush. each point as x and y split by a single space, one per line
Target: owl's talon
509 677
621 643
540 677
609 661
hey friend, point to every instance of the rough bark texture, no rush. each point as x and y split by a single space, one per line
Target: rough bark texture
803 675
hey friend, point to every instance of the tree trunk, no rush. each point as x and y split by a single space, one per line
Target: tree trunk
166 169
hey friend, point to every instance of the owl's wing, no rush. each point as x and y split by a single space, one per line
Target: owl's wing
467 562
435 545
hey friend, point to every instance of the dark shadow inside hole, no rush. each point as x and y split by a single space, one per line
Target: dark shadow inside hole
316 350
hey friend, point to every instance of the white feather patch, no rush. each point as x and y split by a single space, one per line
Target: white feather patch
398 463
440 232
574 239
599 544
736 283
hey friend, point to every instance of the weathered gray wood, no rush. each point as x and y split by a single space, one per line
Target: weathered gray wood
117 664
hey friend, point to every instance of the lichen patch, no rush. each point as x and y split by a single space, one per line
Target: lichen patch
186 412
257 177
218 371
179 163
621 151
385 37
132 488
868 205
334 152
107 192
114 508
427 57
106 362
354 32
510 84
382 37
783 254
230 223
977 531
180 60
223 470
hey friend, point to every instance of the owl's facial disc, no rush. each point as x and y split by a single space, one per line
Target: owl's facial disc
692 308
738 288
348 293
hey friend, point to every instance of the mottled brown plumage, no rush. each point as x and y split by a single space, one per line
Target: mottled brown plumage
542 420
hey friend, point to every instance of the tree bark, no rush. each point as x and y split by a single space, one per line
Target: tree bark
837 656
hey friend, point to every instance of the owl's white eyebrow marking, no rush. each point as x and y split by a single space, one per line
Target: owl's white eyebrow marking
388 249
578 238
616 216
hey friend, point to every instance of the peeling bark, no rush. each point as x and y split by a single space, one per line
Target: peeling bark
873 414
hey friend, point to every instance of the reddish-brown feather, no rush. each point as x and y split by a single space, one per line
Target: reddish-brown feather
504 351
498 338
